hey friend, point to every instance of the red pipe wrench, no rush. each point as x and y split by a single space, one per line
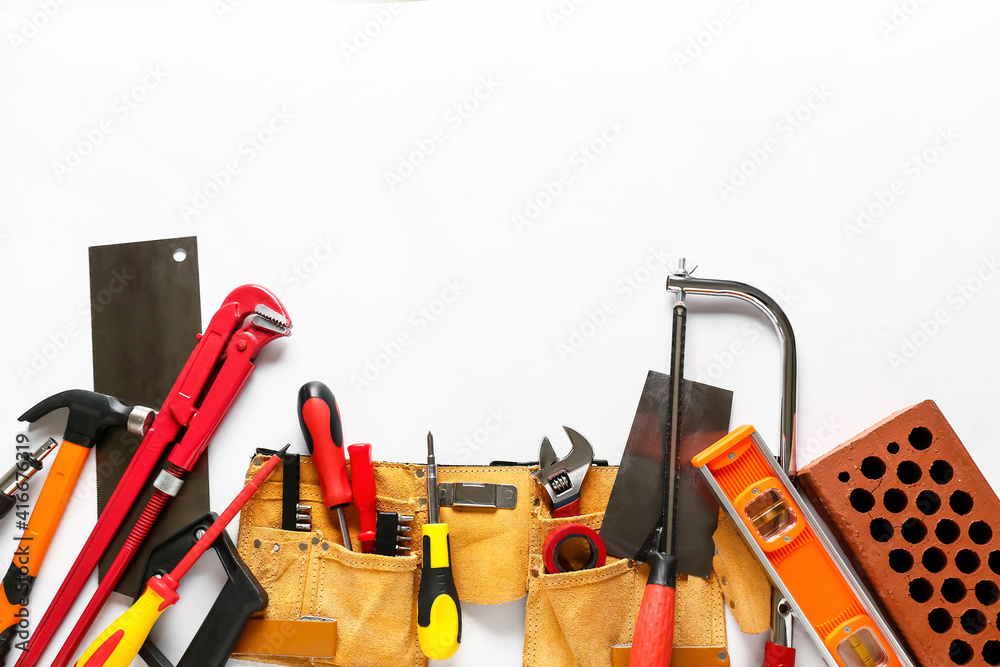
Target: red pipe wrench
206 388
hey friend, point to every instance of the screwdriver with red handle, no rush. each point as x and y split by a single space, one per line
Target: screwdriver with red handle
119 644
363 486
319 418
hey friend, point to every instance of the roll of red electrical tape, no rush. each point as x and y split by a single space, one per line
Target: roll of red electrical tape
558 538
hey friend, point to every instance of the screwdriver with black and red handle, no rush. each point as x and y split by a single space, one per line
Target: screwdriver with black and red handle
319 418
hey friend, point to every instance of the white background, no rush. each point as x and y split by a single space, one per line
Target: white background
807 112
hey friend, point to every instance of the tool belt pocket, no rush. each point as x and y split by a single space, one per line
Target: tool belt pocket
574 618
373 599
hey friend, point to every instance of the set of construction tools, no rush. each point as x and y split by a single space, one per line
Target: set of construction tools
680 465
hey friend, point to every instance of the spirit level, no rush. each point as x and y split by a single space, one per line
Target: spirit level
801 561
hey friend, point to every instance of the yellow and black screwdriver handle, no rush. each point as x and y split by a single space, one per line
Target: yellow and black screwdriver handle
439 613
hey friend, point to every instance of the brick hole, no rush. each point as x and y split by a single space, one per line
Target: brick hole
973 621
934 560
987 592
947 531
920 438
900 560
994 561
892 448
908 472
894 501
991 652
960 652
980 532
967 561
953 590
921 590
940 620
961 503
873 467
913 531
881 530
942 472
862 501
844 477
928 502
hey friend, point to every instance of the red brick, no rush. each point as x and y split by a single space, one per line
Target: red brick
882 477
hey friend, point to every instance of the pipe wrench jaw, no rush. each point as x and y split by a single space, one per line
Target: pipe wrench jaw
268 313
562 478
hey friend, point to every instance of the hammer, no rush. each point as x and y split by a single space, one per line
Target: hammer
90 414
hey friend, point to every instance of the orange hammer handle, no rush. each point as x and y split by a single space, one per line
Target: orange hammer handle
37 537
52 502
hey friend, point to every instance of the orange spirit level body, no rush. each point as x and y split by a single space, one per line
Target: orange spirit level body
799 558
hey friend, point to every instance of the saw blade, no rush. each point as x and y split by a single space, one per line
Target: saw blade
146 314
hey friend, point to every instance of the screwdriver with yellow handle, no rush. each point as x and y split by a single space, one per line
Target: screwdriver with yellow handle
439 613
119 644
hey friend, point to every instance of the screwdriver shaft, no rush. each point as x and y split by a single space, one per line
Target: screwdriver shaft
343 529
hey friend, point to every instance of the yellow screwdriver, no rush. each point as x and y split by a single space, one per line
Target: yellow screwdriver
120 643
439 613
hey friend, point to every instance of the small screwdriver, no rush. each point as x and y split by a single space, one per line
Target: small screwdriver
319 418
119 644
439 613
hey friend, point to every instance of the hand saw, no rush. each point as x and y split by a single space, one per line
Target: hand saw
205 390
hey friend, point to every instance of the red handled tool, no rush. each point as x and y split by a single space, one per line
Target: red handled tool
206 388
363 486
653 641
319 418
119 644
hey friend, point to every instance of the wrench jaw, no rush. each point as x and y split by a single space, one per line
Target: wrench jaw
262 303
267 321
562 478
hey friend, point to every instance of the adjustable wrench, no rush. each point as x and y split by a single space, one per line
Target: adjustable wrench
562 477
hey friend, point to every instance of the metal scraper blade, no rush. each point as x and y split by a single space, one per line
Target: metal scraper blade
634 511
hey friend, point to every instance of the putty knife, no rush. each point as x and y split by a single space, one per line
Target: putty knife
634 513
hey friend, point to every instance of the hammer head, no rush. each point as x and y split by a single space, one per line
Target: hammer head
90 413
